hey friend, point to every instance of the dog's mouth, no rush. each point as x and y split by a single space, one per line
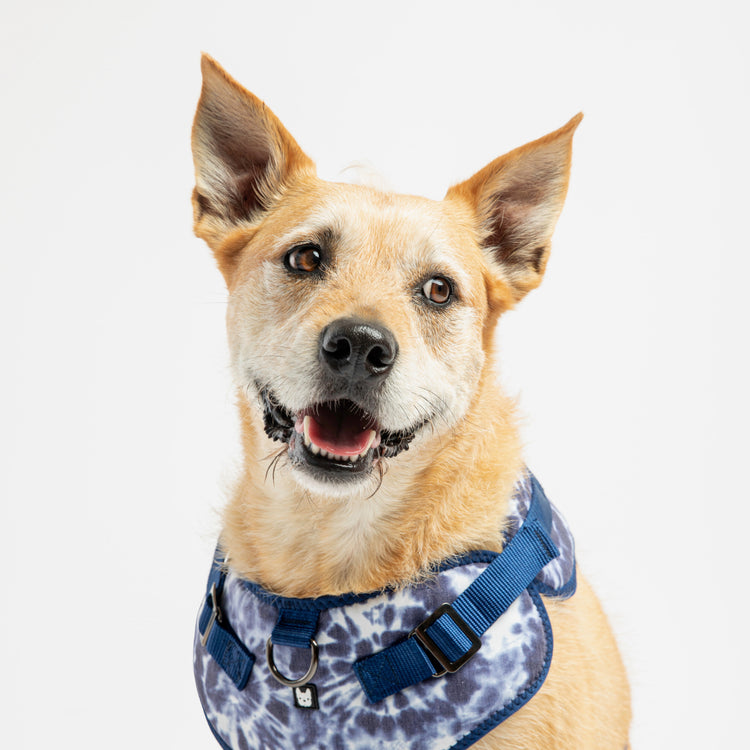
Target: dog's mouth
335 440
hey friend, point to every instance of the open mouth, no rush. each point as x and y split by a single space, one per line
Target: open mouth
336 440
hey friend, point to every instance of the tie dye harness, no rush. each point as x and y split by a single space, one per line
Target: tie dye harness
478 626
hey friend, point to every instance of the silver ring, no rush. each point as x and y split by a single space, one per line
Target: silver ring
285 680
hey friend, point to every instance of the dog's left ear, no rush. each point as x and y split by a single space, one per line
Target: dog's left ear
244 157
517 200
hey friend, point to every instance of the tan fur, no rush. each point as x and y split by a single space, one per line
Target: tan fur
256 196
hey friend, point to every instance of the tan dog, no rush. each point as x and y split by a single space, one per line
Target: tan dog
361 324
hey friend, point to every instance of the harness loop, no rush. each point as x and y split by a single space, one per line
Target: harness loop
312 669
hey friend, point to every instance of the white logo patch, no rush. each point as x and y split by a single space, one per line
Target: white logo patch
306 696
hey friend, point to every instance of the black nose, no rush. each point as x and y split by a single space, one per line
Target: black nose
357 349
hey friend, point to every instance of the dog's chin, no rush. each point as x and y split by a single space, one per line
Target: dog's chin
325 483
333 447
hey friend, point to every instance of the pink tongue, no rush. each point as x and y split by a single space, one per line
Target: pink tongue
338 431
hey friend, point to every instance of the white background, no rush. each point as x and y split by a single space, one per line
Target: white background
116 411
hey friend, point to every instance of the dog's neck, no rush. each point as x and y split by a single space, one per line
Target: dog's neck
447 495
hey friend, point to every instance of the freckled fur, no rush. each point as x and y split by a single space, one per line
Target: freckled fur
449 493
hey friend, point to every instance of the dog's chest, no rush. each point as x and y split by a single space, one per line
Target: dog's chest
451 711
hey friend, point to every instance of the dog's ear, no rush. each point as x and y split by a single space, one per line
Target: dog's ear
517 200
244 156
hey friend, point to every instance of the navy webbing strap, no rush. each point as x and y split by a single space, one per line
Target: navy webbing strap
217 636
447 639
295 627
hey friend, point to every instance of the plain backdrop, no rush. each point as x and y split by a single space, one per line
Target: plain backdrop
117 414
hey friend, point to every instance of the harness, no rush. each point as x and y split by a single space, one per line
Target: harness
436 665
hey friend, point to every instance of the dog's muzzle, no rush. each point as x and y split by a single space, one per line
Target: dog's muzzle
338 438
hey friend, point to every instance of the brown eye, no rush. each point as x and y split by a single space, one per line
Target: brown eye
437 290
303 258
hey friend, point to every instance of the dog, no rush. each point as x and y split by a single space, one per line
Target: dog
389 573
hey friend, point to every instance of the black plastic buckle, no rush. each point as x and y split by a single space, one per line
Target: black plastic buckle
420 633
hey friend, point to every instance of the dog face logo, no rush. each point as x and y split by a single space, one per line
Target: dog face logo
306 696
360 322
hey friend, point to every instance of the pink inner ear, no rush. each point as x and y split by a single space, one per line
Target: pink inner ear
506 219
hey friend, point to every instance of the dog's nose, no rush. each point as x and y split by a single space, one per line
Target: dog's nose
358 349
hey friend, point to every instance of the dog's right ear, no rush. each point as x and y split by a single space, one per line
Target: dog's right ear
244 157
517 199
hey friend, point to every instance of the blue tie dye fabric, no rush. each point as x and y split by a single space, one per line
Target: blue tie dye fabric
451 711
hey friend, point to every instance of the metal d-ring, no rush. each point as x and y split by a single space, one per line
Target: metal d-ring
285 680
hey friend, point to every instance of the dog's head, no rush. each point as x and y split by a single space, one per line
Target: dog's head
360 322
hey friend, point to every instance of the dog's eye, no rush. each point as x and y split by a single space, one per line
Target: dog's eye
304 258
437 290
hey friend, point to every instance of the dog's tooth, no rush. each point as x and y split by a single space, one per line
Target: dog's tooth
306 422
370 441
